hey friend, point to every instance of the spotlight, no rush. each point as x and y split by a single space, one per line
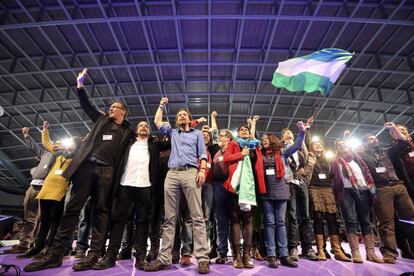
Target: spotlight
315 138
68 142
234 133
1 111
329 154
354 143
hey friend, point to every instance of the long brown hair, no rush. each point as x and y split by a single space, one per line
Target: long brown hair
275 143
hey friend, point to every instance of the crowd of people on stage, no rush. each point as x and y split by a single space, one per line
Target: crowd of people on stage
193 192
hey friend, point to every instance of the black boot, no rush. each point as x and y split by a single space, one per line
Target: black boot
287 261
51 260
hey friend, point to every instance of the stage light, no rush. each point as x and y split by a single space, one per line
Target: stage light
315 139
1 111
329 154
234 132
354 143
68 142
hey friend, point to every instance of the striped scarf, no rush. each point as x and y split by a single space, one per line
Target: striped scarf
348 173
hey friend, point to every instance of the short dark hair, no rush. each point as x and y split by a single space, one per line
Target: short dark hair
246 125
124 107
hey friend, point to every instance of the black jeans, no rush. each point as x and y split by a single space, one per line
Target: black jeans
51 213
299 223
128 198
92 180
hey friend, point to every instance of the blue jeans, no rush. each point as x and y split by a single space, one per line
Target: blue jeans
356 209
222 216
274 212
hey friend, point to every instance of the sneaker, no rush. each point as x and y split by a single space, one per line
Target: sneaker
155 266
106 262
203 267
185 260
287 261
86 263
272 262
221 259
294 254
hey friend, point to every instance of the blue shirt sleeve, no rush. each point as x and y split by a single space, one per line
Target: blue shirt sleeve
165 129
296 146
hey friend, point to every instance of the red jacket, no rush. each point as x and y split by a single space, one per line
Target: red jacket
233 155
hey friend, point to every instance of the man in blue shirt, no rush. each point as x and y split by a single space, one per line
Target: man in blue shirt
184 177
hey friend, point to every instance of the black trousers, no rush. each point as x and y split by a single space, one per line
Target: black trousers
51 213
94 180
128 198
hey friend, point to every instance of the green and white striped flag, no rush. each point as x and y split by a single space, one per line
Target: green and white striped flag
314 72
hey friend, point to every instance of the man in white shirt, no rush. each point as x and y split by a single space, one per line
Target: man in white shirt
137 176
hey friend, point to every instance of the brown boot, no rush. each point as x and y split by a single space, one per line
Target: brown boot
354 245
237 260
247 262
336 246
319 243
369 247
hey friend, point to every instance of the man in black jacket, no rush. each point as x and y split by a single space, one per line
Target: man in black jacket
92 171
137 175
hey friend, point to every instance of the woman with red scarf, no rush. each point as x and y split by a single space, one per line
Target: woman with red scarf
274 201
355 193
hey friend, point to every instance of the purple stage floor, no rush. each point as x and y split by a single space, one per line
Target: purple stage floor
306 267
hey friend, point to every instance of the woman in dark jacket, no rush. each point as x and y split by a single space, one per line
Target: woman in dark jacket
277 193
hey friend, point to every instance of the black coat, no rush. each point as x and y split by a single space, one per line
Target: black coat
395 152
100 121
154 166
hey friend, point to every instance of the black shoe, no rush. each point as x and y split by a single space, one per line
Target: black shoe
221 259
106 262
32 252
86 263
213 254
50 260
175 257
287 261
140 263
155 266
309 255
124 255
203 267
152 255
272 262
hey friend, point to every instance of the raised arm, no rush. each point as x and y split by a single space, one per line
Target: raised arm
31 143
299 140
46 142
395 132
160 110
253 126
86 105
213 121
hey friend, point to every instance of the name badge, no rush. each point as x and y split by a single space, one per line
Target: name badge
45 167
209 165
220 159
270 171
36 182
58 172
322 176
411 154
107 137
380 170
